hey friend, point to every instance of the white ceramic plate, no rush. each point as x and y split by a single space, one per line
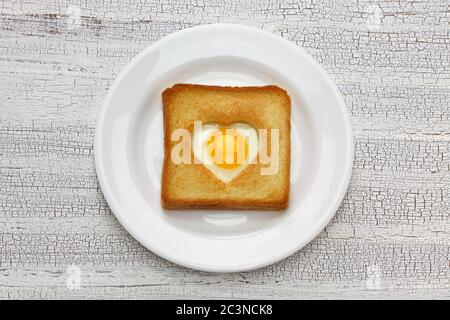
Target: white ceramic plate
129 149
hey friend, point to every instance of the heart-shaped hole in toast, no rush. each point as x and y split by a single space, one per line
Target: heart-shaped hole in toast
225 150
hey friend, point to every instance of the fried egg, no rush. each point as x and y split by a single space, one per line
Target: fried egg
225 151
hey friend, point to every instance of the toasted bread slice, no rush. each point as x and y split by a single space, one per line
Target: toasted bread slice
193 186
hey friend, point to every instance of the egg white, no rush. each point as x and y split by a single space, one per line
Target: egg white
199 147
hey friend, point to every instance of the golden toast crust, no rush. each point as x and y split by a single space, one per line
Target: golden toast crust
193 186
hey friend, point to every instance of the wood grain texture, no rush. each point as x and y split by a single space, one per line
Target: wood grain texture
389 239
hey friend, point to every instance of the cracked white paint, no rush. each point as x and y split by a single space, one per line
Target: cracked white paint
393 223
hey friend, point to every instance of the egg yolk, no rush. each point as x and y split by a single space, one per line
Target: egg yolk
224 147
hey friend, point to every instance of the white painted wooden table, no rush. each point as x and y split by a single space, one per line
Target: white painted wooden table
389 239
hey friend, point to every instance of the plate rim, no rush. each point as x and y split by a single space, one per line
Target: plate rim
320 225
